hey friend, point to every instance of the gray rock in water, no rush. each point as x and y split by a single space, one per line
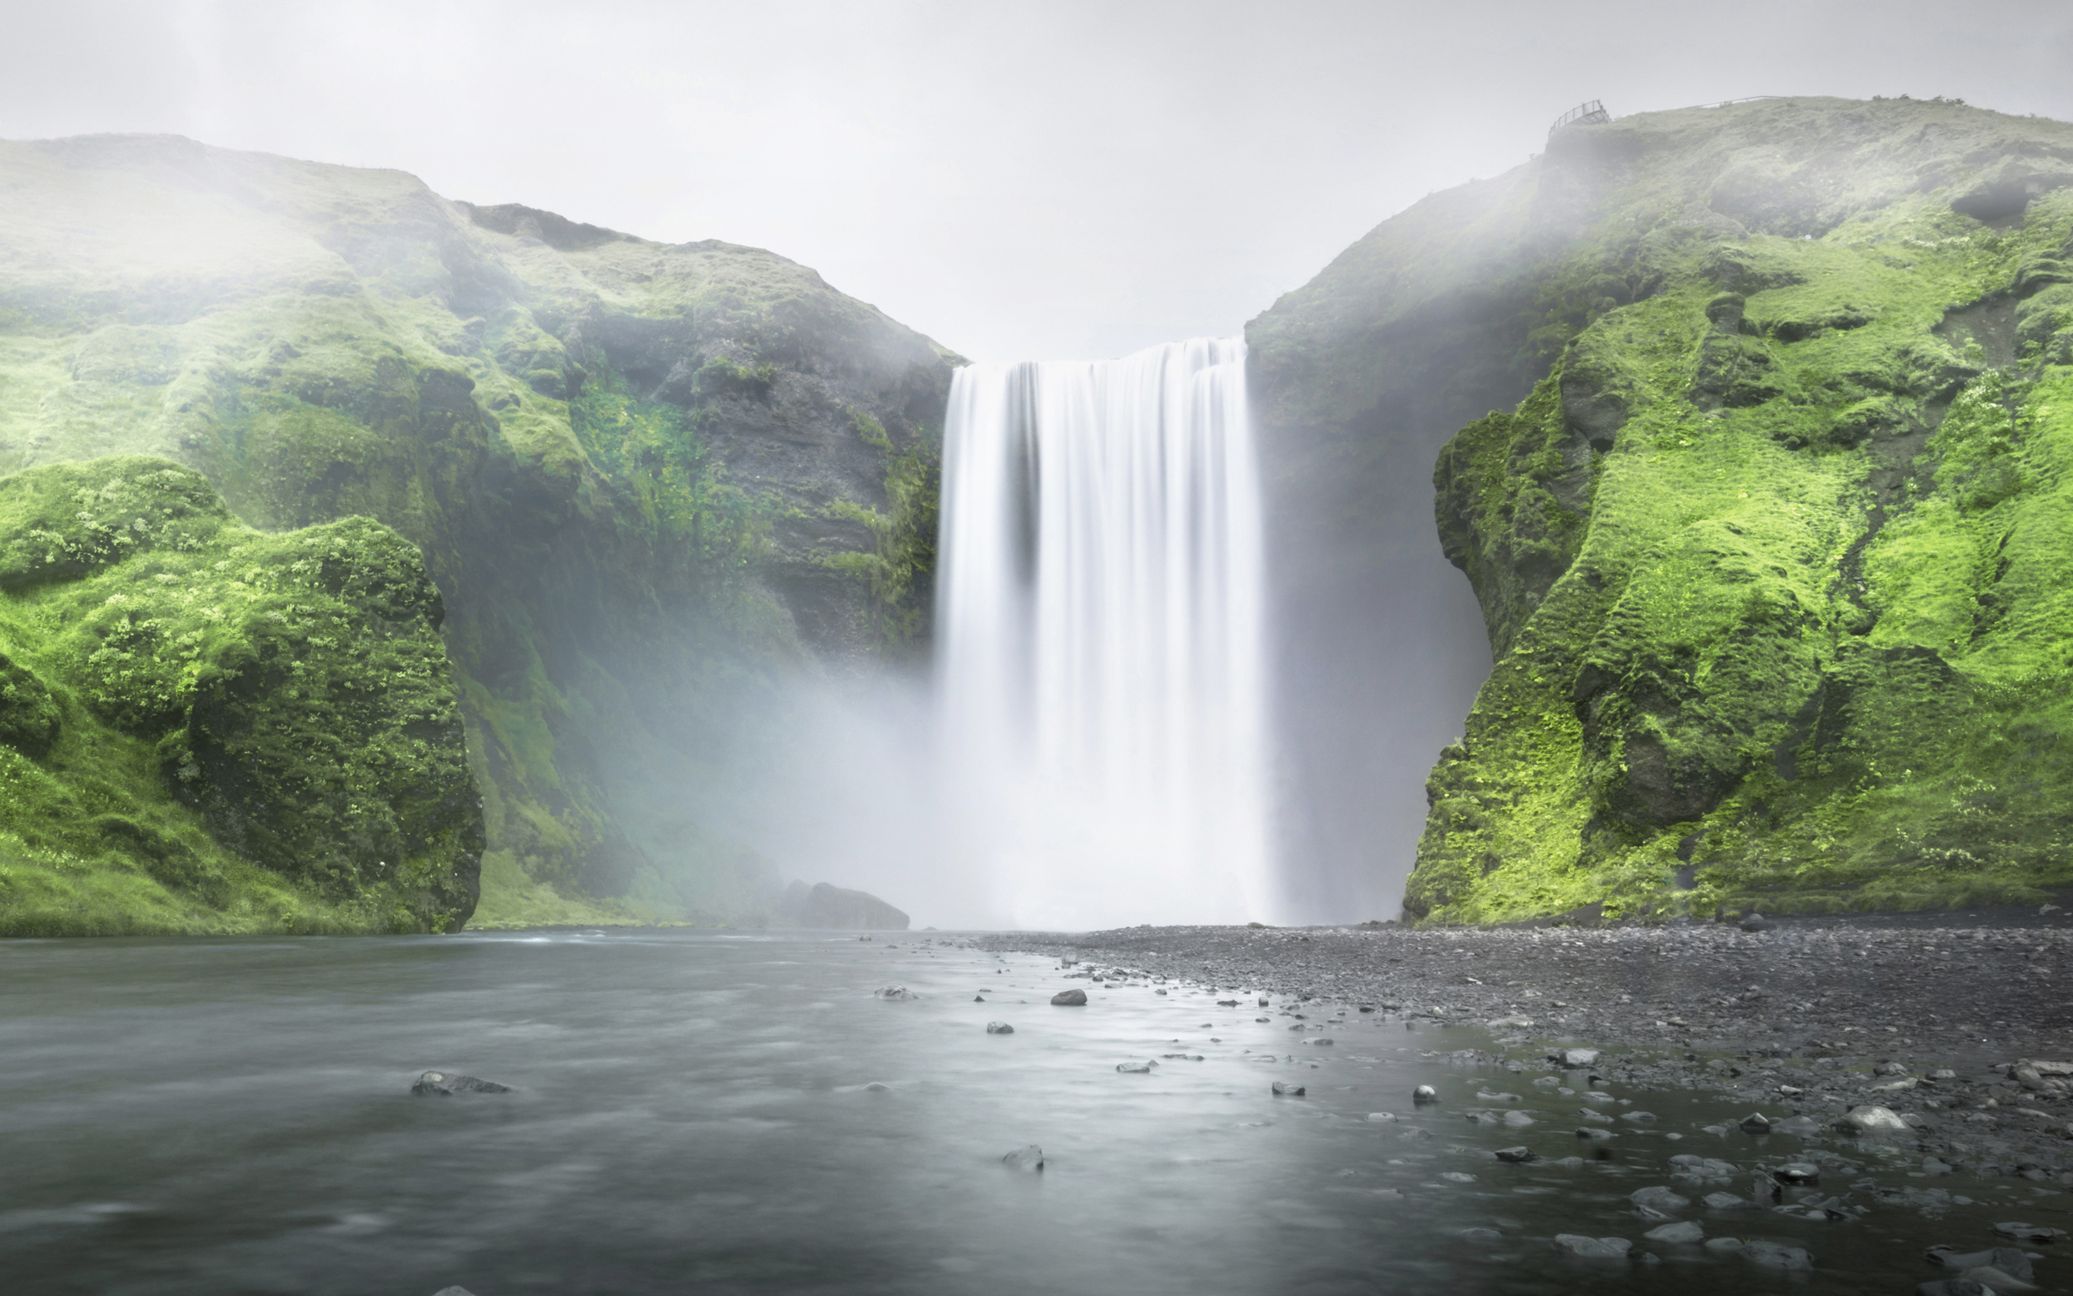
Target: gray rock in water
1797 1172
1070 998
1590 1248
1029 1157
446 1084
999 1028
1283 1089
1516 1155
1954 1287
1425 1094
1135 1068
1594 1133
1776 1255
1756 1123
1871 1119
1668 1201
1683 1231
1517 1119
1722 1201
1722 1245
894 994
453 1291
1574 1058
2029 1233
2008 1260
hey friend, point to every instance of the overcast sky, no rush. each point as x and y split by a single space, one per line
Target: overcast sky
1032 179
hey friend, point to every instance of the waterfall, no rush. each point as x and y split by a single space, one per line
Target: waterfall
1099 639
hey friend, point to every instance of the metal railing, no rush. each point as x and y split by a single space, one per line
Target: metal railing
1589 113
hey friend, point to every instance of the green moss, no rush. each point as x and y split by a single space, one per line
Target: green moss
232 731
1775 564
902 562
591 438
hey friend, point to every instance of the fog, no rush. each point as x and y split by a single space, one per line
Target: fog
1042 181
1068 179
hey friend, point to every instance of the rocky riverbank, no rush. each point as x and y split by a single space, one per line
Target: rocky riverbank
1961 1028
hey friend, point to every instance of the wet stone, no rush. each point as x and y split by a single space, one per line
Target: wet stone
1681 1232
1667 1201
1029 1157
1283 1089
999 1028
1590 1248
1516 1155
2036 1233
1070 998
1425 1094
1776 1255
445 1084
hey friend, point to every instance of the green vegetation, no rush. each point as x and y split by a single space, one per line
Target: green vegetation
616 458
903 561
1776 559
208 729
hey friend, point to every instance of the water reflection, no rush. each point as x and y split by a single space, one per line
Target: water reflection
743 1115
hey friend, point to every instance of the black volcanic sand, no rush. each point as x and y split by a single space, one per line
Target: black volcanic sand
1800 1021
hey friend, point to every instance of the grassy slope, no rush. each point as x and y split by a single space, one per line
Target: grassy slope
1775 559
204 728
640 473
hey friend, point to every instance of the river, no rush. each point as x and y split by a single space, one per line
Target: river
733 1113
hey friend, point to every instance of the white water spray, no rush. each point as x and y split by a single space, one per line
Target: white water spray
1100 639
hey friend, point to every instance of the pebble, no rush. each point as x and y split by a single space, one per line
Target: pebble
445 1084
1667 1201
1776 1255
1683 1231
2030 1233
1871 1119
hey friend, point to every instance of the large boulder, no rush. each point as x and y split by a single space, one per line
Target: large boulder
834 908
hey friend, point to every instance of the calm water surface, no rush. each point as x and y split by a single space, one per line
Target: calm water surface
693 1114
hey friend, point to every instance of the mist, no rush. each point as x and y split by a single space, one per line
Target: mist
1072 181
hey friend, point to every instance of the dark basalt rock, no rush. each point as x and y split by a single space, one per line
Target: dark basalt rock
1070 998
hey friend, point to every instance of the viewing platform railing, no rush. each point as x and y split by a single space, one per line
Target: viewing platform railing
1589 113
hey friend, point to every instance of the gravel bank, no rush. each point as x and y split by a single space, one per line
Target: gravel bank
1935 1019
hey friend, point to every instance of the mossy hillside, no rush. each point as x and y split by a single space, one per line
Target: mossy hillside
207 728
1463 304
632 467
1774 559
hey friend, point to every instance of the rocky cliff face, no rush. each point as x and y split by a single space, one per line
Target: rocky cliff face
207 728
1773 554
647 478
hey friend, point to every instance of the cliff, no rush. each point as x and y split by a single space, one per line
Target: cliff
651 482
1773 554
